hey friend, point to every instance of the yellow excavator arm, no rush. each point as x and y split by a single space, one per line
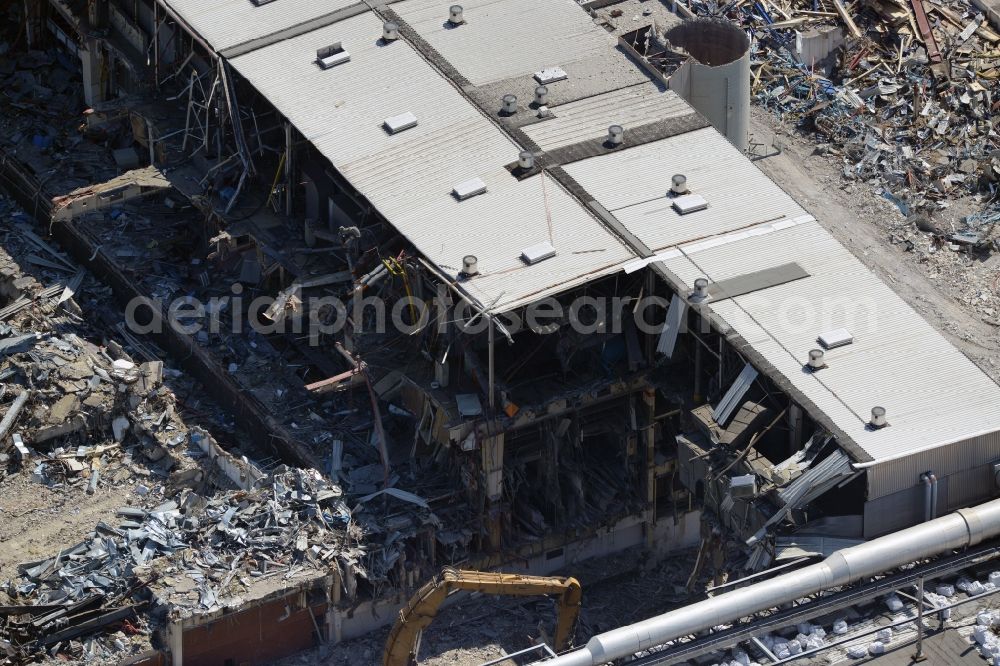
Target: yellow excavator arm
404 639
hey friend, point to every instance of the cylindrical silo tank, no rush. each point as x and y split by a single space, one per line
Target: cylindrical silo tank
715 79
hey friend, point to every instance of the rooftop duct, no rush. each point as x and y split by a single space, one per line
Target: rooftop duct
616 135
509 104
878 418
700 292
679 184
541 96
715 79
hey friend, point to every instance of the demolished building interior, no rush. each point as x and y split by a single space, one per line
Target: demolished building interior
278 160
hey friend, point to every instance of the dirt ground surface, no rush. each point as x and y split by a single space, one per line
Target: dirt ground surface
34 519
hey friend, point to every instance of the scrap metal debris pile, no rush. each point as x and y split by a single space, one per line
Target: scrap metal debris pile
292 523
26 631
199 553
903 90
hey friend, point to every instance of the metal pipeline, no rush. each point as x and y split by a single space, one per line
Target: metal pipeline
964 528
934 494
925 478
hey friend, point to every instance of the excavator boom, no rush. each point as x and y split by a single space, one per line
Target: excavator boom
419 612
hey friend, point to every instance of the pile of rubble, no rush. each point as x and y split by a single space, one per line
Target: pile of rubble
73 402
196 553
205 529
902 90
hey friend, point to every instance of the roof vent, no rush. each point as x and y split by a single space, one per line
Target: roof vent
332 55
544 112
526 160
816 361
509 106
679 184
878 418
838 337
470 265
469 188
390 31
455 15
550 75
689 203
541 96
616 135
539 252
403 121
700 292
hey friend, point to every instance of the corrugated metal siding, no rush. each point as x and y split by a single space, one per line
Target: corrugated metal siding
226 23
633 184
799 545
590 118
973 454
502 39
894 512
933 394
409 176
907 506
966 488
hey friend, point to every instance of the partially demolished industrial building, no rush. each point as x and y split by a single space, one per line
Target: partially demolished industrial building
608 318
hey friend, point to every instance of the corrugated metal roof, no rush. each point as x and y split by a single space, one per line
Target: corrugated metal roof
226 23
589 118
633 183
933 394
409 176
502 39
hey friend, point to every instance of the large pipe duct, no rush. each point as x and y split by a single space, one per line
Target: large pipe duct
715 80
962 529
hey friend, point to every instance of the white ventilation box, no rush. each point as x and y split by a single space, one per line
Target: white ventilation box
403 121
538 252
689 203
550 75
332 55
469 188
838 337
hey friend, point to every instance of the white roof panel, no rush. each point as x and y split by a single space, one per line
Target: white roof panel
227 23
502 39
590 117
932 393
633 185
409 176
